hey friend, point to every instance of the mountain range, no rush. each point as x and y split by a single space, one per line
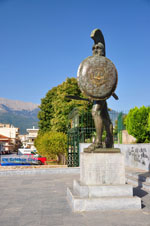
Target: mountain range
24 115
18 113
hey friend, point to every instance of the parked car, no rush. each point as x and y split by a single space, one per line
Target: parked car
32 154
41 160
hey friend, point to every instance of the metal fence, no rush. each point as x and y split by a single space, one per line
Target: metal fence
81 129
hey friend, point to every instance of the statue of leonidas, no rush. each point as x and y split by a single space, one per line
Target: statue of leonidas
97 79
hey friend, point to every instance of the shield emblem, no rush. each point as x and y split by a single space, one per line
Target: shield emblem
97 77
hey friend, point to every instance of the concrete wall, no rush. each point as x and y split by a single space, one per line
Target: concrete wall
136 155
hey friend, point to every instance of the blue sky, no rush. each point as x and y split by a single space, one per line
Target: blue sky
42 42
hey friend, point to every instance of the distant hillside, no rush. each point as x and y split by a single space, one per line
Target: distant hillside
17 105
24 115
18 113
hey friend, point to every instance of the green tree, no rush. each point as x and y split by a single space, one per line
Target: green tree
51 144
115 129
46 113
55 107
138 124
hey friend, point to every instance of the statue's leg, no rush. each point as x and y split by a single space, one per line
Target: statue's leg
108 127
96 110
109 135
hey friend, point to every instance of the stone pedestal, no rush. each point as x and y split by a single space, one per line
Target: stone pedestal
102 184
102 168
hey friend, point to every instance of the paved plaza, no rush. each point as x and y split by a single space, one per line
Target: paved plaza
40 199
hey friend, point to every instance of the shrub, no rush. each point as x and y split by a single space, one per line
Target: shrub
51 144
138 124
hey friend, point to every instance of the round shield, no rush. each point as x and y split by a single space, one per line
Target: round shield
97 77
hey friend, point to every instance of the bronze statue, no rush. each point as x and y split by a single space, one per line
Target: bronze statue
97 79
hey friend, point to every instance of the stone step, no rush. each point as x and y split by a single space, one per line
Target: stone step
132 180
146 186
136 182
145 177
79 204
88 191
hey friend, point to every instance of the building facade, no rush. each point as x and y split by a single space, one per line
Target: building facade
28 139
5 145
12 133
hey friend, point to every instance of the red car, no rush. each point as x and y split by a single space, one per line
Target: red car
41 160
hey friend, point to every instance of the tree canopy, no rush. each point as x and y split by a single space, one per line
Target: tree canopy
55 107
138 124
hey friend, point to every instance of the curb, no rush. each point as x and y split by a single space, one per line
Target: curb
34 171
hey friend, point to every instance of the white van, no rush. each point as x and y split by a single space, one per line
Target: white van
26 151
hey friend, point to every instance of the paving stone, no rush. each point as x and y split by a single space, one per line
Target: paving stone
40 200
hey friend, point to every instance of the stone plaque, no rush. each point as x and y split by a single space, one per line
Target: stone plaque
102 169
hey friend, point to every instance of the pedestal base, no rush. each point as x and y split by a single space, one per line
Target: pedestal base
102 168
102 184
79 204
95 191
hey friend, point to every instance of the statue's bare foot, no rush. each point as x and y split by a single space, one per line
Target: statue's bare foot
92 147
98 145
